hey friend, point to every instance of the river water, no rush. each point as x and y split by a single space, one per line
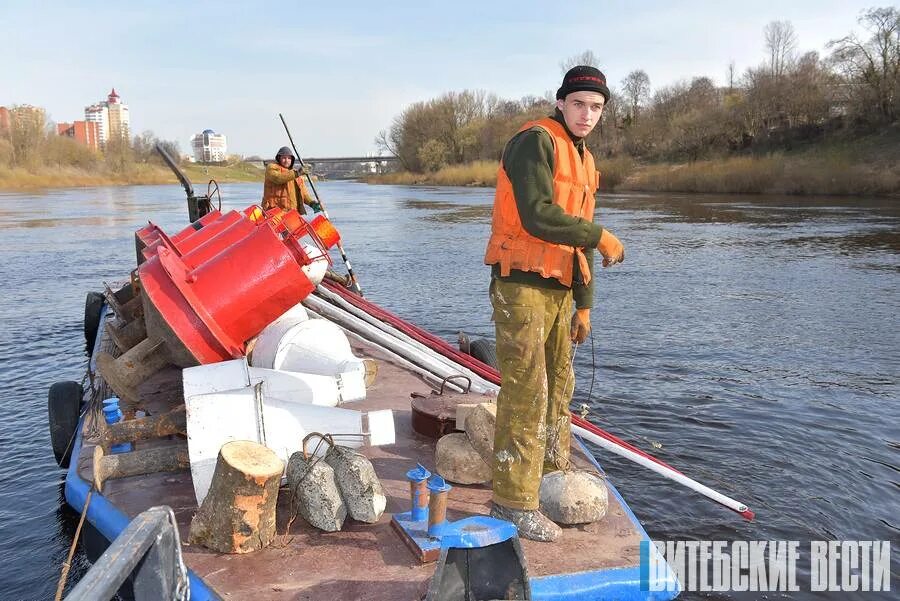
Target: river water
751 342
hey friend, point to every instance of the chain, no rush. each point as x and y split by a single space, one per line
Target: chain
182 583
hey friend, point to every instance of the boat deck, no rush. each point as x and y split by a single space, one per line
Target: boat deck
363 561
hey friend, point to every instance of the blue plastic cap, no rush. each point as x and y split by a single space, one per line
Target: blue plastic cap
476 531
437 484
122 447
418 474
111 411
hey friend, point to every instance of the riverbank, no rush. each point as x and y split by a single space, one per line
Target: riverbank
862 167
137 174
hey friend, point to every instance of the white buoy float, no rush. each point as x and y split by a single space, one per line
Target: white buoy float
296 343
316 269
232 401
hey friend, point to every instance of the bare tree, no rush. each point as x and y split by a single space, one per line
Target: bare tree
118 154
585 58
731 76
781 41
389 141
27 134
384 144
703 93
875 62
809 82
636 90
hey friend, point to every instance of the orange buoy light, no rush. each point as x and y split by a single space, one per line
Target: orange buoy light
326 232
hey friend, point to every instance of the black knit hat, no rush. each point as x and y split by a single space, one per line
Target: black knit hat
583 78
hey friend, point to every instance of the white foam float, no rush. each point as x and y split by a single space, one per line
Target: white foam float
293 342
232 401
316 269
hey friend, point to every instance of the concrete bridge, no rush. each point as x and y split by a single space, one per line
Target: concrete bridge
350 167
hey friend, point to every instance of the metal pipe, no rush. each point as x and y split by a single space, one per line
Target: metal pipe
416 355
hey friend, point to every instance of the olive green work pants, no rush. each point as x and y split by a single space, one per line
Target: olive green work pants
534 347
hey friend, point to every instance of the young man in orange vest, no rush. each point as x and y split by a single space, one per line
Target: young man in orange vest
284 187
541 255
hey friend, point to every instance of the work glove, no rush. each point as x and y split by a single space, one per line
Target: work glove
316 206
612 250
581 325
301 171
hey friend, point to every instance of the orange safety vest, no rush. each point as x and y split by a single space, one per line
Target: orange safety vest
574 183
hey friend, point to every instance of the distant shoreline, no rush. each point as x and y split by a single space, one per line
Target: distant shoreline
18 180
807 175
868 166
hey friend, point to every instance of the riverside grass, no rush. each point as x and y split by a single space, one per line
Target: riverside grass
484 174
829 174
774 174
477 173
137 174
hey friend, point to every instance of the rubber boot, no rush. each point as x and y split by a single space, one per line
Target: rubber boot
532 524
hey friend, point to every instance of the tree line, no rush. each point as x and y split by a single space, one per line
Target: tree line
31 142
791 98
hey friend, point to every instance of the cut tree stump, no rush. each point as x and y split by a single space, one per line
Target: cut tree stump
238 513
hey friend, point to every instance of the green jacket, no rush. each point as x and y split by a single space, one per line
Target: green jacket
528 161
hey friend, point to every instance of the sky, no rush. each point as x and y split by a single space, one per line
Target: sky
341 71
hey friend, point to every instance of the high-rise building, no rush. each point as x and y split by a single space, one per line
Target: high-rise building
209 147
99 114
111 116
27 116
85 132
4 118
119 120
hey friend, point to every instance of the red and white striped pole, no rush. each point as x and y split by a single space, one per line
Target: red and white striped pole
580 426
653 464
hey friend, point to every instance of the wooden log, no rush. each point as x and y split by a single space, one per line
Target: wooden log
238 513
336 277
124 373
136 463
126 335
144 428
126 305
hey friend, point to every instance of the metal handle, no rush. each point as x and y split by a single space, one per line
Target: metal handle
453 377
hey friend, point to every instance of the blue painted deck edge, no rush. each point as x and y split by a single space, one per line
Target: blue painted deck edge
109 520
615 583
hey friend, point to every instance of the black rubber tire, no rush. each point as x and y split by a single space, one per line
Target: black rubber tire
464 342
93 304
63 409
485 351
